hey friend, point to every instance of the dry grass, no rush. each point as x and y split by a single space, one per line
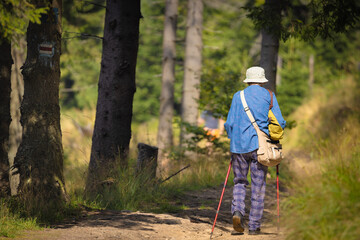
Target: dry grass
325 204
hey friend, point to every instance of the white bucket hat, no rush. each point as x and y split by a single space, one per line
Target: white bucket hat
255 75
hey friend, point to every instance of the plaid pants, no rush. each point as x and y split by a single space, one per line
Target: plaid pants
241 163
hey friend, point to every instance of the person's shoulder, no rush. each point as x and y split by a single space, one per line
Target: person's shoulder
237 93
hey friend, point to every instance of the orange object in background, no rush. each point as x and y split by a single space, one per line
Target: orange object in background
215 133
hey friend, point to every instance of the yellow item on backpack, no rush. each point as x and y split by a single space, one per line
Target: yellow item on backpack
275 130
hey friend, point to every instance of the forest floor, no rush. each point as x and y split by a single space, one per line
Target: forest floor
194 222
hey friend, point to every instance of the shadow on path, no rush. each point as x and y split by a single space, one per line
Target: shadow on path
202 206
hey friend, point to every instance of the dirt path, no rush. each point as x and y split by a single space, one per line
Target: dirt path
193 223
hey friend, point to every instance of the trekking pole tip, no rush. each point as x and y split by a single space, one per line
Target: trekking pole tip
211 236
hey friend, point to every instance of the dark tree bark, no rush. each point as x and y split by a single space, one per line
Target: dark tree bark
40 155
192 68
18 53
5 119
112 131
270 45
165 134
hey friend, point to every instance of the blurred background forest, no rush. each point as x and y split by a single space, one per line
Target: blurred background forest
317 89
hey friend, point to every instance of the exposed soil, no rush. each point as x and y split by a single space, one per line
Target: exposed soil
195 222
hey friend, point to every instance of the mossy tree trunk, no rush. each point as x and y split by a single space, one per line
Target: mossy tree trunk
5 119
40 155
116 88
165 133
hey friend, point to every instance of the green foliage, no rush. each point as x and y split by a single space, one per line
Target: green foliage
341 53
15 15
229 49
333 58
201 135
80 62
149 62
217 89
306 20
268 16
228 39
330 17
225 37
81 53
294 75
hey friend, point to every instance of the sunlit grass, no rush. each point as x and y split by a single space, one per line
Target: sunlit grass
326 204
134 192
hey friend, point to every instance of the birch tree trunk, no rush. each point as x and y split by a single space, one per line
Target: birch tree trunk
165 133
192 68
270 46
5 119
40 155
116 88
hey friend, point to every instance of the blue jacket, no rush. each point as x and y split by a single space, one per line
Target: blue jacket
242 134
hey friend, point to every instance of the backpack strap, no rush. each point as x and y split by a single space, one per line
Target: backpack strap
271 101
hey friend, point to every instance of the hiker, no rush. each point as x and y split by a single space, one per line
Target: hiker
244 145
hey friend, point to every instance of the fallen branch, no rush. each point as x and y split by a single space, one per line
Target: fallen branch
175 174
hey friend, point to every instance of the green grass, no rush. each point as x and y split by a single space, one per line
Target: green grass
12 224
327 206
137 192
21 214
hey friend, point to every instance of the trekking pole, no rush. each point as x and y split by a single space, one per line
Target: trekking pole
222 194
278 198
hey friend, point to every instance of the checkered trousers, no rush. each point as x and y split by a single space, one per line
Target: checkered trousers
241 164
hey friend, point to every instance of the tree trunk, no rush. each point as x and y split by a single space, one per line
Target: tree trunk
147 161
255 50
278 70
112 131
165 135
5 119
192 68
270 46
311 72
17 91
268 61
40 154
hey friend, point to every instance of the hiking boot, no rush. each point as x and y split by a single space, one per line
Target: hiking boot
255 232
238 222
